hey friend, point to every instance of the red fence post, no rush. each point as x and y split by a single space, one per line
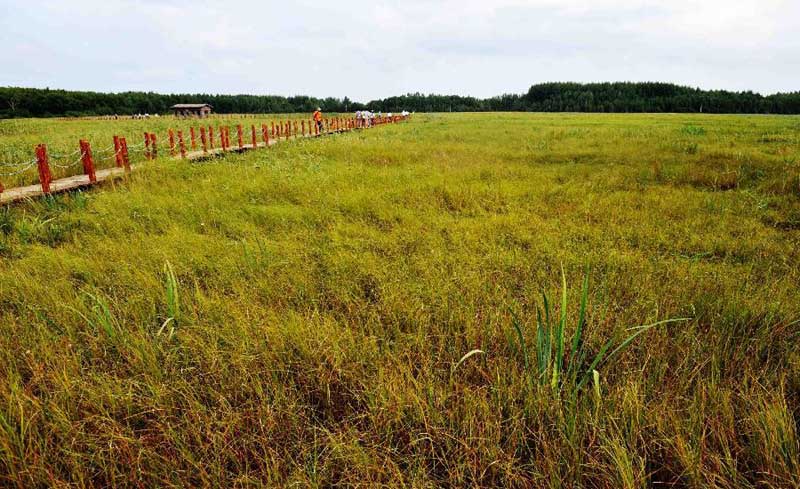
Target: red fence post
295 128
126 162
147 146
265 135
211 136
171 142
44 168
253 134
86 159
194 141
117 152
303 127
239 133
273 129
182 144
153 147
203 139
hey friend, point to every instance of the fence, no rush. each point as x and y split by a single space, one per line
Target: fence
206 142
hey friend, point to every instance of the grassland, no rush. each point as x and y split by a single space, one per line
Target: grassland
301 316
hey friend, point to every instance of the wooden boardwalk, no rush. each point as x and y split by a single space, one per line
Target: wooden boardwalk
78 181
60 185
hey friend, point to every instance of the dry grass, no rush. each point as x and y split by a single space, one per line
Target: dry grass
296 316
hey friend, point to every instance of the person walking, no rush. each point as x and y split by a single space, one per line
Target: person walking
318 120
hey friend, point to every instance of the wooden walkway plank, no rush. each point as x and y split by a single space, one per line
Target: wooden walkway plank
60 185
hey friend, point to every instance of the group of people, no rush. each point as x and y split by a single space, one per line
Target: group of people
364 118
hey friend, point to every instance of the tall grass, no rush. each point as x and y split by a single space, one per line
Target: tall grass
565 362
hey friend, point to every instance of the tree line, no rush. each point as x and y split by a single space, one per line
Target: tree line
546 97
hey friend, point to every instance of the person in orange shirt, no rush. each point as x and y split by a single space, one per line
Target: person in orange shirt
318 119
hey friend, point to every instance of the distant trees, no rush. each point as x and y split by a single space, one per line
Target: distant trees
546 97
603 97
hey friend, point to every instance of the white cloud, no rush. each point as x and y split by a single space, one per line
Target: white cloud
366 49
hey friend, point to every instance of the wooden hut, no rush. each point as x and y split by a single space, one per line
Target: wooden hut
191 110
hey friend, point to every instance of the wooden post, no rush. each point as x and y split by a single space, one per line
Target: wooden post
153 146
86 159
126 162
191 134
273 129
211 137
303 127
316 127
117 152
288 130
253 134
44 168
239 133
171 142
295 128
182 144
147 146
223 138
203 139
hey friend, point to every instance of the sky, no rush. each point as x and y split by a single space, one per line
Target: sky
368 49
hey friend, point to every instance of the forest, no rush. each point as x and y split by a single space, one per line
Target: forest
621 97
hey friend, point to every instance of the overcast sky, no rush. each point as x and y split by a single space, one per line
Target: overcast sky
367 49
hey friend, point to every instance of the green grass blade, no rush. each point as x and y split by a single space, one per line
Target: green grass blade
548 334
576 356
542 345
171 292
640 330
521 338
559 366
